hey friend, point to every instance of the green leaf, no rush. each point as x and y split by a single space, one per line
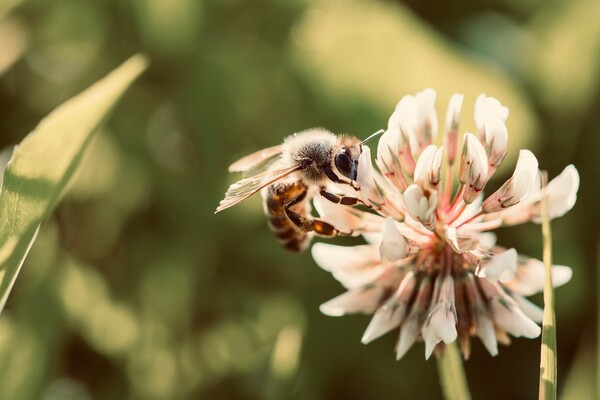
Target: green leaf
42 164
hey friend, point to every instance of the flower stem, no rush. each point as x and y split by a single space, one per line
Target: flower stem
452 374
548 370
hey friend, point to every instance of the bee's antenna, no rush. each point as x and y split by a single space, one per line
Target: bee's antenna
379 132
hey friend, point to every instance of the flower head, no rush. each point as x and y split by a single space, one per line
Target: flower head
431 269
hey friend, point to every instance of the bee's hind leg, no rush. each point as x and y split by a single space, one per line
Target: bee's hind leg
316 225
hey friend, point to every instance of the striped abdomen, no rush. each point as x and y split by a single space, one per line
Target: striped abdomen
276 197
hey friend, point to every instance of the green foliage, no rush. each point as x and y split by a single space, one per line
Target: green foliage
41 166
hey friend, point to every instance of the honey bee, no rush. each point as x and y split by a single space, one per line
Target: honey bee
289 176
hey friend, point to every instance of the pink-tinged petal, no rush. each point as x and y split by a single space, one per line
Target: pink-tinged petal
374 190
486 333
352 279
443 315
366 180
473 170
387 159
464 170
525 174
386 318
530 309
394 245
515 215
430 339
453 113
496 139
514 321
410 328
496 135
365 299
387 147
488 107
405 119
342 217
427 170
452 120
331 257
507 314
369 222
517 187
391 314
373 237
452 239
479 113
458 242
420 205
469 213
561 274
428 123
529 278
424 165
441 322
487 240
352 266
418 120
392 203
484 326
562 193
406 108
436 167
502 267
412 200
408 334
405 150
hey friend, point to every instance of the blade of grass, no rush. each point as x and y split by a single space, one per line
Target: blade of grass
548 371
40 167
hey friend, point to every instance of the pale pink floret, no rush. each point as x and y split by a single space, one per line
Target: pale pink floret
430 268
473 170
452 120
394 245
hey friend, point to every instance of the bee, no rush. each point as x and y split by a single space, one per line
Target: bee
291 174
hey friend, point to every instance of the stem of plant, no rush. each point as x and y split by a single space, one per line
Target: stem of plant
548 370
452 374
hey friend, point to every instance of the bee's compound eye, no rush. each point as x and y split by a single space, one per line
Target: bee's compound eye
345 165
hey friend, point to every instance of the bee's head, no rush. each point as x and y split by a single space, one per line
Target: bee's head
346 159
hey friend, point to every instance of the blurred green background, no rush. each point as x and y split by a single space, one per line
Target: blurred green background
135 290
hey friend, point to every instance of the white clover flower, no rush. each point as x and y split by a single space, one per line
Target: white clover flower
431 270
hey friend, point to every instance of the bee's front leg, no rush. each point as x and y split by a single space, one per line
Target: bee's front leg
341 199
336 179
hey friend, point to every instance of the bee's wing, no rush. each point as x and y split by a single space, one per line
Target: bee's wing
246 187
256 161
